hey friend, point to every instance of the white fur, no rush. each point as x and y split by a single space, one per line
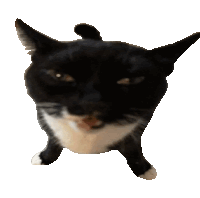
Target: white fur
150 174
79 141
36 159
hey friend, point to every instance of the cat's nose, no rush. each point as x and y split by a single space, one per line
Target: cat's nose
84 110
96 108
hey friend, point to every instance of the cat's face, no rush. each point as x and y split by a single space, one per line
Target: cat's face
93 76
108 79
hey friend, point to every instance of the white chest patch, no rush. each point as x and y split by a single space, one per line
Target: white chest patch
79 141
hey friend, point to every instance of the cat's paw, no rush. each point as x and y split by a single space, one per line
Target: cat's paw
150 174
36 160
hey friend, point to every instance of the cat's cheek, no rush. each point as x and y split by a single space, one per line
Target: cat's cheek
150 174
36 159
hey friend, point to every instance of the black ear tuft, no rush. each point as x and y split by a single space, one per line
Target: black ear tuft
87 31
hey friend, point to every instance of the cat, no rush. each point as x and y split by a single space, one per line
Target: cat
94 96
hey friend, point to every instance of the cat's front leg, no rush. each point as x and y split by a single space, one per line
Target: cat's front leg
48 155
131 149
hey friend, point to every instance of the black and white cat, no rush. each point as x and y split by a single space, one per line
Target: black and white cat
94 96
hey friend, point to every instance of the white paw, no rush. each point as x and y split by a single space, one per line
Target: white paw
36 159
150 174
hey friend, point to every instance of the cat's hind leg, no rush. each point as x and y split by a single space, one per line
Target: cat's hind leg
48 155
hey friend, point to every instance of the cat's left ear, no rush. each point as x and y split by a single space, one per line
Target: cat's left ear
168 55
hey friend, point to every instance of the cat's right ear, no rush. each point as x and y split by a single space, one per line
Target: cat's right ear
32 39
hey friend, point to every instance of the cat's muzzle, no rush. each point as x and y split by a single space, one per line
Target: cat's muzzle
87 122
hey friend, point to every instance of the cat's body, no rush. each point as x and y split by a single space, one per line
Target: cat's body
94 96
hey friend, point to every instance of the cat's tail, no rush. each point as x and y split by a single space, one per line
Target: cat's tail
87 31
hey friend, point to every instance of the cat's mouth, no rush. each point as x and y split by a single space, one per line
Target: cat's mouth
91 123
88 122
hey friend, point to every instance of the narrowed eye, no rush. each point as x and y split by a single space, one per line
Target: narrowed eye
131 81
60 76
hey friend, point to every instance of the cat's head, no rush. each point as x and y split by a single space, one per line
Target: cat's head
90 75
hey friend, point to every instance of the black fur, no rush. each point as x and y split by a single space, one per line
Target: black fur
97 66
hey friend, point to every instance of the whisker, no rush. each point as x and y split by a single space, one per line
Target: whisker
48 104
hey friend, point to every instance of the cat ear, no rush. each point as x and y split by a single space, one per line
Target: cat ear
87 31
168 55
32 39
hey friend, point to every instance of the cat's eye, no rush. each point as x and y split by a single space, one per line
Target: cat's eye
61 76
131 81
